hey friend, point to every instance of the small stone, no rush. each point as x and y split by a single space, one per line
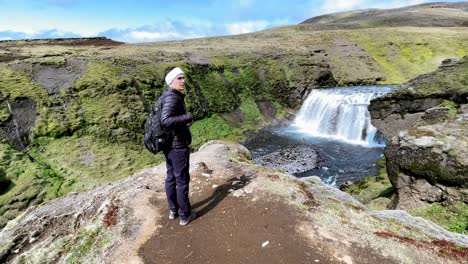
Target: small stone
206 175
214 186
238 193
265 243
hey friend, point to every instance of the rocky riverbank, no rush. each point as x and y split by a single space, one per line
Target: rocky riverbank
426 122
247 214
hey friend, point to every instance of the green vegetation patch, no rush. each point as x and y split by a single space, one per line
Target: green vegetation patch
405 53
87 162
252 116
214 127
447 80
453 216
24 183
17 84
369 189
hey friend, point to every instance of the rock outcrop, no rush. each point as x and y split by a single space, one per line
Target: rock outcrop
426 122
126 222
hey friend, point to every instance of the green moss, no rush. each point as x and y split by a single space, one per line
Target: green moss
410 52
371 188
220 96
99 74
453 217
29 183
88 162
281 112
16 84
211 128
252 116
451 106
446 80
4 113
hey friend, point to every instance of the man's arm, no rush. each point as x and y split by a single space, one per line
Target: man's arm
169 117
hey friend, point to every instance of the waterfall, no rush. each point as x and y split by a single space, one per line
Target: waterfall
341 114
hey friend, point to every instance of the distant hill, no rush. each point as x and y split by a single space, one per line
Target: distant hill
424 15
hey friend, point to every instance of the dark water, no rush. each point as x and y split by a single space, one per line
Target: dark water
340 161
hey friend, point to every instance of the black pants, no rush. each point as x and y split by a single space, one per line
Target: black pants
177 181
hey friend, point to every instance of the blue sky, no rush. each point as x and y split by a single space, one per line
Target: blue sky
145 20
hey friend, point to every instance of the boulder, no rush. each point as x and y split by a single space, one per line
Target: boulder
429 163
426 120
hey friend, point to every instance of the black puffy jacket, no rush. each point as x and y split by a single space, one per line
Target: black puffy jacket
174 117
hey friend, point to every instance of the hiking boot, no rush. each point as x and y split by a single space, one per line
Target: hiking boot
173 215
192 216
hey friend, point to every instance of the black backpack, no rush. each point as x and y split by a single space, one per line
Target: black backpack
157 138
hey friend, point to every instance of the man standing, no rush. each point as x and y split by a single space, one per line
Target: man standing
175 117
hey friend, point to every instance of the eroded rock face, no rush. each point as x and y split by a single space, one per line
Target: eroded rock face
54 78
429 164
426 120
414 103
17 128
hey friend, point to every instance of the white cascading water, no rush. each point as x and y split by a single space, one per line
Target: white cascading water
340 113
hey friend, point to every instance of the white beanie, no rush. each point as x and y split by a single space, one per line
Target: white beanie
173 74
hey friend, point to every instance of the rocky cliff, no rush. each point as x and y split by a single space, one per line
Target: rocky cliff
426 123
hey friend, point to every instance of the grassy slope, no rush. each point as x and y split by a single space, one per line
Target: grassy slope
91 133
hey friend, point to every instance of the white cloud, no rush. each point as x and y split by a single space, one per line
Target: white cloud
6 38
395 4
150 36
246 27
346 5
341 5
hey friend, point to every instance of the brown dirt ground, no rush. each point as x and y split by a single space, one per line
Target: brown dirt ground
232 229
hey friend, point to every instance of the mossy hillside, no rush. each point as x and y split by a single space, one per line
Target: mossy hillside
214 127
448 80
26 182
405 53
87 162
14 84
398 53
